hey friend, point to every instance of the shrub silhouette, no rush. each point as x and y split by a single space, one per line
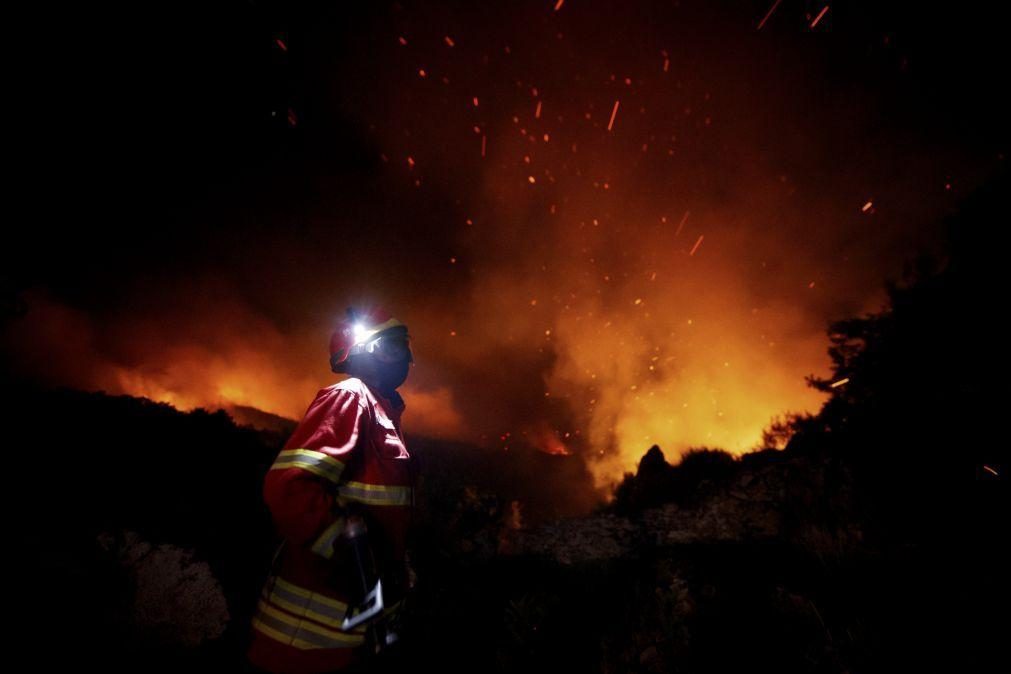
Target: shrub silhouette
656 482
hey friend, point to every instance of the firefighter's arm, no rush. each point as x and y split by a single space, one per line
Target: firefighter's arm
300 489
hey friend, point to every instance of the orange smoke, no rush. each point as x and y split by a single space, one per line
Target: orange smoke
651 344
660 235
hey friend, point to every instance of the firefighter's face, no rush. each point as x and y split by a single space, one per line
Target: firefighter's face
387 364
392 374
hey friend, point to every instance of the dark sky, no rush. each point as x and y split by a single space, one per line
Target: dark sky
204 187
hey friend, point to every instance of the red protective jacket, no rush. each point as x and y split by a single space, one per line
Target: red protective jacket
348 451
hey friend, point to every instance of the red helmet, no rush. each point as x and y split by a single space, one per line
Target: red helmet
366 331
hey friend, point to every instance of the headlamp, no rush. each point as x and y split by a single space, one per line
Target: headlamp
388 348
362 333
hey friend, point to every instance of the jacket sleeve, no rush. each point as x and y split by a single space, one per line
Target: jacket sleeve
301 486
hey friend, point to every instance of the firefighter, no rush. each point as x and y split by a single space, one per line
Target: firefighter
345 470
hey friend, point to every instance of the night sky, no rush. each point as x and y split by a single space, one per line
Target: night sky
606 224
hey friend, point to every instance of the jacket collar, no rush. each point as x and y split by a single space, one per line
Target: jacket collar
395 402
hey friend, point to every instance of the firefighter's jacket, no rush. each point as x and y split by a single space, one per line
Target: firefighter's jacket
348 452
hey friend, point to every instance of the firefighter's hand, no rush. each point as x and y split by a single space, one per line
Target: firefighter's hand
354 523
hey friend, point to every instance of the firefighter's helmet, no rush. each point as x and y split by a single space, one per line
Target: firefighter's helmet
373 331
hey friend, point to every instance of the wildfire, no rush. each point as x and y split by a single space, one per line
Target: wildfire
569 307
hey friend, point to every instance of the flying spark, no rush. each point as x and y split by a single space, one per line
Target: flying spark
614 112
818 18
682 223
696 246
768 14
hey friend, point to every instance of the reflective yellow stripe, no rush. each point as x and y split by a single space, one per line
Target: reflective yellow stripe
336 635
311 460
304 610
292 630
313 604
310 634
324 544
302 602
309 595
376 494
260 626
290 637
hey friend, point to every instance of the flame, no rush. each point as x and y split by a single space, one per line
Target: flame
705 381
548 441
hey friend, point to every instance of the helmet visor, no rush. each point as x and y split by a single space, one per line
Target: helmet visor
391 348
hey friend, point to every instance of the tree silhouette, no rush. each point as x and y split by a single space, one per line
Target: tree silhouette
911 404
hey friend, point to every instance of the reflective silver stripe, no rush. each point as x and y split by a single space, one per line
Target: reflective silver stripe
311 460
324 544
376 494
